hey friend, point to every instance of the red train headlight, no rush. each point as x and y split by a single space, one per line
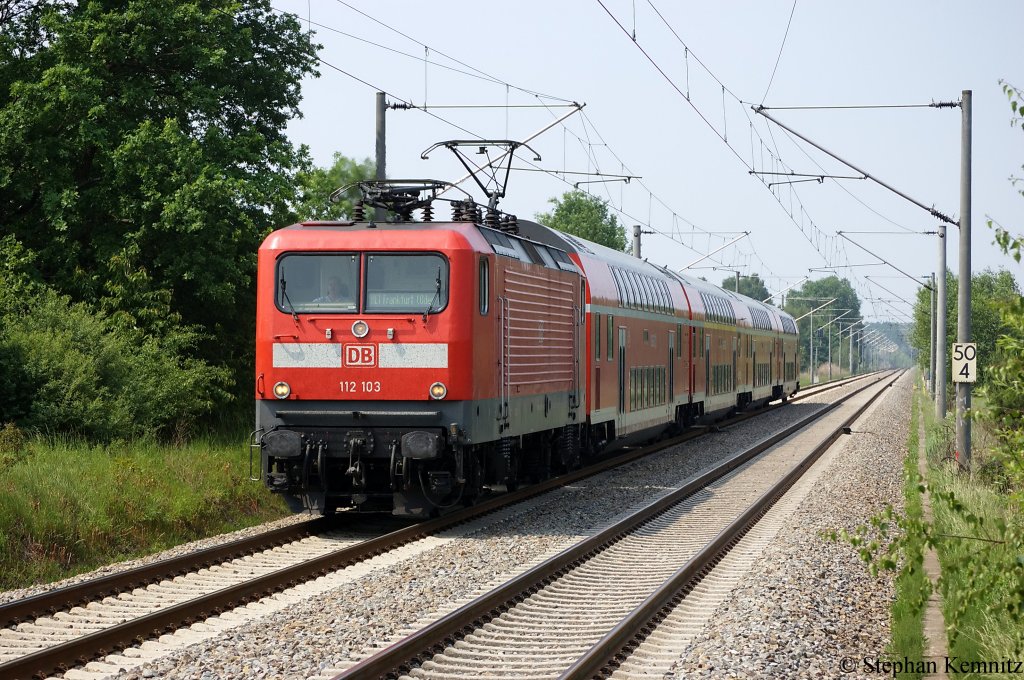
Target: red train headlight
282 390
438 391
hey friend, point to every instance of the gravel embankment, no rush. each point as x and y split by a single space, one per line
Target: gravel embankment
810 603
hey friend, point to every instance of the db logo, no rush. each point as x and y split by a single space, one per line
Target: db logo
360 355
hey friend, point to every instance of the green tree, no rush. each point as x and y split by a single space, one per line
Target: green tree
813 294
587 217
1004 388
752 286
991 291
143 155
317 184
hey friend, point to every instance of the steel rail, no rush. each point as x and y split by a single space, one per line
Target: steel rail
64 598
639 623
433 638
60 657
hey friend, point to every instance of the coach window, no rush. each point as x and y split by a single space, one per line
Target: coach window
645 283
645 292
406 283
631 293
485 287
638 293
597 336
653 294
610 330
679 340
618 286
627 287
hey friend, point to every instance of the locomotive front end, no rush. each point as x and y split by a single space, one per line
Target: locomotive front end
362 366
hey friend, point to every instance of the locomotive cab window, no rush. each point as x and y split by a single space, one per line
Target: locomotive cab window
309 282
406 283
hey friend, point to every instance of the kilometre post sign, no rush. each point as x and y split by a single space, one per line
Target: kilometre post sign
965 362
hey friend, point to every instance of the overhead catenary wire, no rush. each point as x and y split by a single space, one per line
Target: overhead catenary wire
724 88
447 56
832 244
471 72
933 105
588 128
553 173
781 47
931 210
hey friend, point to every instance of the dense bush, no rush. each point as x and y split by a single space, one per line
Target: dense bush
72 370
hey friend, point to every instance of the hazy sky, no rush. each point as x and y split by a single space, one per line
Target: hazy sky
695 157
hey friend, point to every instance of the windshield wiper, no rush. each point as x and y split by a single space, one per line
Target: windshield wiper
437 295
284 294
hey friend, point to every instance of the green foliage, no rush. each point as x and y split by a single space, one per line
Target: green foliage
814 294
12 444
1004 392
990 292
1004 389
143 157
587 217
751 286
67 507
316 185
69 369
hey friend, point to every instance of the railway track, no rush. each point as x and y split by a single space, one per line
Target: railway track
581 613
67 627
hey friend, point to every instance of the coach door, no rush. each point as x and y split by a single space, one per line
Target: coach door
622 369
735 348
707 364
671 367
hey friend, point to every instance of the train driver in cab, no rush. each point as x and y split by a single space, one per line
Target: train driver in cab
336 291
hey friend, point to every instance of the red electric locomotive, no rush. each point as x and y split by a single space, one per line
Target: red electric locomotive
411 365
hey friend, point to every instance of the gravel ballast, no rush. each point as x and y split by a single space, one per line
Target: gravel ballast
809 608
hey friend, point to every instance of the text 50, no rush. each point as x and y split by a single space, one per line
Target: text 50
360 386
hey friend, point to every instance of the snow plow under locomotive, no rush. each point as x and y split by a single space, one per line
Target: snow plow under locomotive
412 365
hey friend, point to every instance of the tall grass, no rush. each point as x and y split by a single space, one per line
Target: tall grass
979 577
986 630
912 587
68 506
